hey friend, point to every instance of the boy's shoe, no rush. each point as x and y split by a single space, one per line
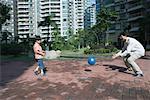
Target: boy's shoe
43 73
36 72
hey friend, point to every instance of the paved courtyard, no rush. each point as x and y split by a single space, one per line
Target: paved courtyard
67 80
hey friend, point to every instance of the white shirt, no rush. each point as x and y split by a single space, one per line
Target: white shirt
132 46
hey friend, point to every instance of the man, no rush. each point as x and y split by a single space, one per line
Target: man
131 51
39 53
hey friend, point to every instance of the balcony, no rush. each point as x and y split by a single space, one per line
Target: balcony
111 31
21 3
23 32
134 29
110 5
135 6
134 17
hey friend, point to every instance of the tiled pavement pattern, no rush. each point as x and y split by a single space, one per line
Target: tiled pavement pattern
67 80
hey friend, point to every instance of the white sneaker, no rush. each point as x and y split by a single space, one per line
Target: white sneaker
42 72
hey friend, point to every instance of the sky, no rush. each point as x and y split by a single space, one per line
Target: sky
93 1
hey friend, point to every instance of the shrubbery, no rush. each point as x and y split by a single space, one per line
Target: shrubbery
12 49
100 50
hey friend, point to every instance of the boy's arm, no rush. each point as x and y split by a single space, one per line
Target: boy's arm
36 50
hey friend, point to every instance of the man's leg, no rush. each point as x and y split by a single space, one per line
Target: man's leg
128 65
131 60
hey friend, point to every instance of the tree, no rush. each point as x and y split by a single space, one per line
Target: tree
104 20
4 14
5 36
48 22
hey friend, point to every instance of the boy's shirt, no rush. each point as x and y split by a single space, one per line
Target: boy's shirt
37 47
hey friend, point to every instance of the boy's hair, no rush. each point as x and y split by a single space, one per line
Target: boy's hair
37 38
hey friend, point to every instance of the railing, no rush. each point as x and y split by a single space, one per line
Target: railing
135 5
136 15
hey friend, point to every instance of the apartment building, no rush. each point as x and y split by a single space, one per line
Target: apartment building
50 7
90 16
26 19
68 14
73 16
135 15
78 17
66 18
131 14
98 3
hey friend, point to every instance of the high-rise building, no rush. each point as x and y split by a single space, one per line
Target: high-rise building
131 14
50 7
65 18
78 15
90 16
68 15
73 16
147 20
135 14
26 18
98 3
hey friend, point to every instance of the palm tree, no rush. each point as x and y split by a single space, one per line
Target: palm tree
4 14
48 22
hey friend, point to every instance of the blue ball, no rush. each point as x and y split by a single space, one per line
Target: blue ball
91 60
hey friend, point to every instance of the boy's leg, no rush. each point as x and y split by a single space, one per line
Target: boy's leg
41 65
36 69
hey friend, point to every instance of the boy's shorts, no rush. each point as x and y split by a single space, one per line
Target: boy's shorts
40 63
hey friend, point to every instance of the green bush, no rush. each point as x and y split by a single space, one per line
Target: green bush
88 51
12 49
99 51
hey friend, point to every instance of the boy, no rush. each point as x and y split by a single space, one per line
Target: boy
39 53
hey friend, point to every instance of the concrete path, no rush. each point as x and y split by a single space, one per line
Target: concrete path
67 80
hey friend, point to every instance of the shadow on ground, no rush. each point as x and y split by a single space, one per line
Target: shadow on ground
119 68
11 70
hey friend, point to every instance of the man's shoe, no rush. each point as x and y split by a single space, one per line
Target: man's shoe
129 69
139 75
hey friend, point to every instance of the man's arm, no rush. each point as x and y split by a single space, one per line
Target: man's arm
128 50
117 54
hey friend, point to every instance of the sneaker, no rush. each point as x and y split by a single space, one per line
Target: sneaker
36 72
129 69
42 73
139 75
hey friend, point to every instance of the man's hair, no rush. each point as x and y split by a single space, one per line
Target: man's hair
123 33
37 38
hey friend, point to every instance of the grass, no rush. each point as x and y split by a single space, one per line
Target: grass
65 55
80 54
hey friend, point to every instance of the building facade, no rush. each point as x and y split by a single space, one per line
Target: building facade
68 15
131 14
90 16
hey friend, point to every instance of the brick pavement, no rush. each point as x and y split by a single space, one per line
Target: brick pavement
67 80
